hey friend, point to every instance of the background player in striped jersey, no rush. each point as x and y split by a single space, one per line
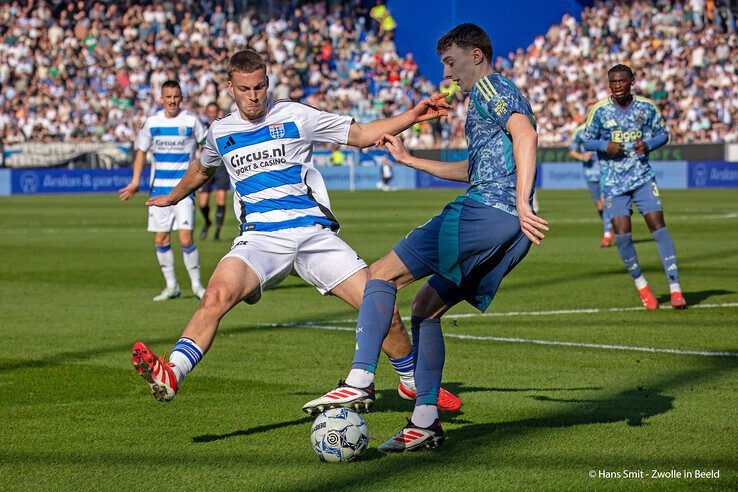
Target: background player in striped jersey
623 129
287 225
592 176
174 136
218 186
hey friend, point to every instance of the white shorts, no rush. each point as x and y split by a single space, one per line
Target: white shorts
316 254
174 217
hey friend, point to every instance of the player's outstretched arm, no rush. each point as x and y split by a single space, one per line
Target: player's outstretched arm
127 192
196 176
454 171
525 143
366 134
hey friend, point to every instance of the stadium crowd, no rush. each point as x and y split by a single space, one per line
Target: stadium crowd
91 70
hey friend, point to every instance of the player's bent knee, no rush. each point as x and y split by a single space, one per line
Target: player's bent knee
217 298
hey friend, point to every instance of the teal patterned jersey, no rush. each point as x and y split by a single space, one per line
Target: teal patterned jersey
608 121
492 172
591 167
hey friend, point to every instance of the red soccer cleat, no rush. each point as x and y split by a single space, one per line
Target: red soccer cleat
606 242
678 301
447 401
155 371
648 299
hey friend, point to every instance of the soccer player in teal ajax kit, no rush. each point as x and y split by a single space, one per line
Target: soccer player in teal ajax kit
623 129
468 248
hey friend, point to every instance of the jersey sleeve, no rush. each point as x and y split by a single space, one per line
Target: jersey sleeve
321 126
576 141
199 132
210 157
501 101
591 132
143 139
658 130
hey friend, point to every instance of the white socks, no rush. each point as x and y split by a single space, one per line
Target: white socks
166 261
640 282
192 261
359 378
424 415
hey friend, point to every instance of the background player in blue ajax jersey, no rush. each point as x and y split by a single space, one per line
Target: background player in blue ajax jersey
470 246
623 129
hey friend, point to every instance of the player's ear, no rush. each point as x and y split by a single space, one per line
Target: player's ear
229 86
477 56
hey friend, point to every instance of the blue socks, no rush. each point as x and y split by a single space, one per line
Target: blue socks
668 254
628 254
429 368
373 323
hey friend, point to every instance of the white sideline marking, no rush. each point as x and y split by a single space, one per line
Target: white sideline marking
563 311
669 218
459 336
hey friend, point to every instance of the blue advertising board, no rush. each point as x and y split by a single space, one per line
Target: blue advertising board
36 181
570 176
713 174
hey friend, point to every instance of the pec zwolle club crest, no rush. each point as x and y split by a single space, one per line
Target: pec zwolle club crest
276 131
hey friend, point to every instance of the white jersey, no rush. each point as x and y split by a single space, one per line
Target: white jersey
174 142
270 163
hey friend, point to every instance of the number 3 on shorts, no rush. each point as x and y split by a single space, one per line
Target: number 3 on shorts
655 188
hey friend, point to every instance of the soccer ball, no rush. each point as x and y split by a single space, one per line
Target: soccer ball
339 434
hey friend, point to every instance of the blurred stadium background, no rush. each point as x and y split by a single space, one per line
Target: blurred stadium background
79 78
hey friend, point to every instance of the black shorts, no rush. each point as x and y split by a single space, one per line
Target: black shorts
220 181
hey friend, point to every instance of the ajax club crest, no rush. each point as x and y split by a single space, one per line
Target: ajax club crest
276 131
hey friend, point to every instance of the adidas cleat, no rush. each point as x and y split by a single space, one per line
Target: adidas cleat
155 371
168 293
345 396
678 301
414 438
648 299
447 401
606 242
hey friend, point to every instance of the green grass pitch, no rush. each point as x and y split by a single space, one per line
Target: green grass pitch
78 274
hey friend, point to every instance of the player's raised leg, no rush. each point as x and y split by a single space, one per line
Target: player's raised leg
165 257
373 324
231 282
396 346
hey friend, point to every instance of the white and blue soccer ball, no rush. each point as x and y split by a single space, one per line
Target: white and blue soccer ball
339 434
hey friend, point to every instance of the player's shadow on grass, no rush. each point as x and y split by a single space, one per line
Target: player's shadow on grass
695 298
205 438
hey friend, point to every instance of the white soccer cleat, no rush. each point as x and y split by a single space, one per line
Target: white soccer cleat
168 293
198 290
343 396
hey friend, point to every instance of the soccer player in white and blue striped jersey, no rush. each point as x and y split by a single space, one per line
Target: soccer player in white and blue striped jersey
173 136
286 220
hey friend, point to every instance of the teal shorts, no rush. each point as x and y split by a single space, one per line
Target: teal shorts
468 249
